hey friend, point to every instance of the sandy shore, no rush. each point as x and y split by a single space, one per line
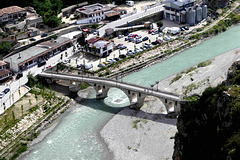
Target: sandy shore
147 134
202 77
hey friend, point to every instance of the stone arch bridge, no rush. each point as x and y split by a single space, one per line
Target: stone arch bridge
135 93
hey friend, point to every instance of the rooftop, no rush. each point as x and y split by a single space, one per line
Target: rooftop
25 55
53 43
12 9
2 63
111 13
92 8
101 43
93 40
4 72
34 51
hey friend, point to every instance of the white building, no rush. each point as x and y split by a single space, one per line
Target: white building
99 46
30 61
96 12
12 13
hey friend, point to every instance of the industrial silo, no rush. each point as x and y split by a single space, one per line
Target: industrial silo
199 14
204 11
183 16
191 17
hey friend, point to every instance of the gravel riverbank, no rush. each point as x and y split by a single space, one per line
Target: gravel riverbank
147 134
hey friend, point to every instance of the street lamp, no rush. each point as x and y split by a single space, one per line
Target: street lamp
157 85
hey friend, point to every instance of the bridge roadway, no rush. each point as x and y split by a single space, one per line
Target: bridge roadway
112 83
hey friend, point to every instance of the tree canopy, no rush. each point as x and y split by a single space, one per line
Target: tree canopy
49 9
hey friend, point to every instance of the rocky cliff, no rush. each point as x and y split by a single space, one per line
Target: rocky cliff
209 126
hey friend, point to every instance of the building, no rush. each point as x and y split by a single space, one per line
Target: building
12 13
96 12
5 74
184 11
38 55
99 46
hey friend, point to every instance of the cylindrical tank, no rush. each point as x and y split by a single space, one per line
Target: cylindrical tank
191 17
183 17
204 11
199 14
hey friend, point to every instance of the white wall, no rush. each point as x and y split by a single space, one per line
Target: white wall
14 85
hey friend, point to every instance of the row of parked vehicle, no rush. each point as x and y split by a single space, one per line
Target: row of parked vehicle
4 92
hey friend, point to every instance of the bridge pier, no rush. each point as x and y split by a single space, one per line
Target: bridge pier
101 91
75 86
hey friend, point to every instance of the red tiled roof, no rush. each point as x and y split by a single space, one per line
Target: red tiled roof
12 9
4 72
112 14
93 40
2 63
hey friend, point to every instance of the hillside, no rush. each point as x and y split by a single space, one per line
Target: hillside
208 127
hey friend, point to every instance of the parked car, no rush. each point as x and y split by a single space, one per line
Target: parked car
138 37
159 41
154 32
150 31
88 66
186 28
101 65
182 28
131 39
113 60
160 34
134 36
122 47
154 43
119 45
1 95
48 67
44 35
81 66
130 35
138 41
120 36
32 39
142 48
122 56
126 34
19 75
126 39
116 59
6 90
145 38
65 61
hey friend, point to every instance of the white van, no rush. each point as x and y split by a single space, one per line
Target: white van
130 3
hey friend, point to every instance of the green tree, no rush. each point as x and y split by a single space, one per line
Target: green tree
49 9
159 24
32 81
5 48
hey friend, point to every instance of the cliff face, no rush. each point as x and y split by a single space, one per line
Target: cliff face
209 127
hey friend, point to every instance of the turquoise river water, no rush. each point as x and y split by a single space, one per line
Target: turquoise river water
77 134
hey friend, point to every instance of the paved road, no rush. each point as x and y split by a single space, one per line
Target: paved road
113 83
138 15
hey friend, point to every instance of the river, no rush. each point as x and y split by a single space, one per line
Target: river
77 133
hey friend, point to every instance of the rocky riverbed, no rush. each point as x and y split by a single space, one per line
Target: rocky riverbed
148 134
